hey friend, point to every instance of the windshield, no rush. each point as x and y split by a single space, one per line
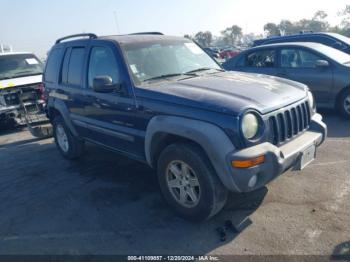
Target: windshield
335 54
157 59
19 65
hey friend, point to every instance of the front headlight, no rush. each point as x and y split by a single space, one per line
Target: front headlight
250 126
311 100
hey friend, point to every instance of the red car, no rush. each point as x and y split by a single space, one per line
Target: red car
228 53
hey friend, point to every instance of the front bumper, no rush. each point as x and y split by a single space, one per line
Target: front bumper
277 159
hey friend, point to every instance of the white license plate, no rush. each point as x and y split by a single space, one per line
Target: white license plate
307 156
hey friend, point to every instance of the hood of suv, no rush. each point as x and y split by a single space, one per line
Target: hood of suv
229 92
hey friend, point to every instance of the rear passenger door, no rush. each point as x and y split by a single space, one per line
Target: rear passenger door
72 82
299 64
262 61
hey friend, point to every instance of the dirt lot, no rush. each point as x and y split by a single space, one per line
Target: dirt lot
106 204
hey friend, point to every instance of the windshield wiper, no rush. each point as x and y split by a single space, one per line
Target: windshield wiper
22 74
168 75
6 77
204 69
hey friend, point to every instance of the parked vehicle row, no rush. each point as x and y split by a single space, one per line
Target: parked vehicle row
165 102
223 53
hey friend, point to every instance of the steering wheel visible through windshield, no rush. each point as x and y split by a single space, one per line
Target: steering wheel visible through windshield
161 58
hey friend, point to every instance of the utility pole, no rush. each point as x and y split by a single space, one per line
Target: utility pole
116 21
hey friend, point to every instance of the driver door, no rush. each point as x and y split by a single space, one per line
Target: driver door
109 116
299 64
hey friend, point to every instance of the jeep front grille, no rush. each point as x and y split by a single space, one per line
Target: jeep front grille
289 123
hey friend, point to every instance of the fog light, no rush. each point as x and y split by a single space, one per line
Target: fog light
252 181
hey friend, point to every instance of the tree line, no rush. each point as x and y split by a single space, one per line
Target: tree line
233 35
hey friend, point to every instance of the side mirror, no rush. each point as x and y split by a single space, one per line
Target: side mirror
104 84
322 63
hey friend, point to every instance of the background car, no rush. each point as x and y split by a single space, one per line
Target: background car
334 40
228 53
20 84
324 69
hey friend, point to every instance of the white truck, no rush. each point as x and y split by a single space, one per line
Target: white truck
21 90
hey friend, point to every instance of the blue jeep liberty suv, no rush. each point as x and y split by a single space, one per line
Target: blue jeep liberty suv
163 101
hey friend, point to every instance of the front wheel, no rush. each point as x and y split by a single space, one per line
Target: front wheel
344 103
189 183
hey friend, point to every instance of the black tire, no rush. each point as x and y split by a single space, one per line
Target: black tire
342 101
213 194
75 145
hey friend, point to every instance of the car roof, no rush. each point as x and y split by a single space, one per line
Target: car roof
16 53
299 44
301 35
125 39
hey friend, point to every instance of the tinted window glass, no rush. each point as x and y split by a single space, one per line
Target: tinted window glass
262 58
298 58
75 67
65 66
103 63
53 65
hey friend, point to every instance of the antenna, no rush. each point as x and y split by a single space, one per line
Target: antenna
116 21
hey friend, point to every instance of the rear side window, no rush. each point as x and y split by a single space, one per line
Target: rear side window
261 58
53 65
297 58
76 66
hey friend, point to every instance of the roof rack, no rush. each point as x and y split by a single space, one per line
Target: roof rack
91 36
147 33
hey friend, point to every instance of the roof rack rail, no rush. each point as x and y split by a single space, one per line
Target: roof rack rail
147 33
91 36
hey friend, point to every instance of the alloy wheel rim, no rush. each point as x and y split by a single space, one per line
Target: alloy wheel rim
62 138
347 104
183 184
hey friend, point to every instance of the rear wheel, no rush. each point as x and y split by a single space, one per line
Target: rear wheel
69 146
344 103
189 183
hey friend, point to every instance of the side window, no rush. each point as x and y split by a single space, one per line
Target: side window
103 63
240 62
64 74
75 66
53 65
297 58
261 58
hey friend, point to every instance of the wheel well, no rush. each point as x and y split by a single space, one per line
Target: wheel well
161 140
341 93
53 112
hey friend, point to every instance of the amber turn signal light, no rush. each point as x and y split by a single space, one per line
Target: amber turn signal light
248 162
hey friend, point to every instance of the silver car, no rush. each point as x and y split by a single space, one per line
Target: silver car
324 69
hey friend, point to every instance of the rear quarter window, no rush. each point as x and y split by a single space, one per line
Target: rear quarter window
53 65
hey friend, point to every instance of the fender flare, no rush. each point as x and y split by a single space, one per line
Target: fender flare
64 112
210 137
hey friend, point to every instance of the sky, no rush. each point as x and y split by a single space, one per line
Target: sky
34 25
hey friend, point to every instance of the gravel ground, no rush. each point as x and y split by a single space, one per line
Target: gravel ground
106 204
